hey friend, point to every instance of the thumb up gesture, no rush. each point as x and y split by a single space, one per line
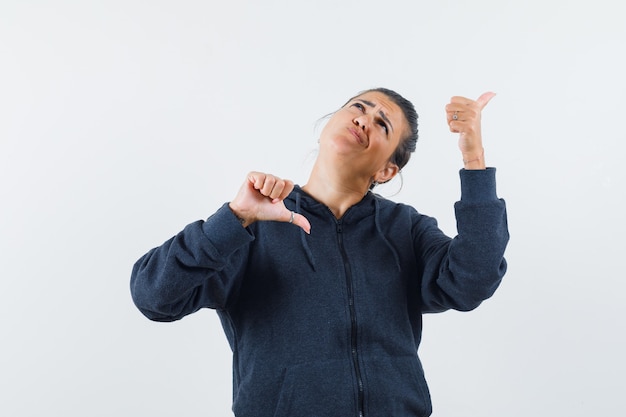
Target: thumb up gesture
463 115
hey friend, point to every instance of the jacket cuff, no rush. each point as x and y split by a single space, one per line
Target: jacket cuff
478 185
224 231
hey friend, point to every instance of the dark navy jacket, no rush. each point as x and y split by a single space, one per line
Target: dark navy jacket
328 324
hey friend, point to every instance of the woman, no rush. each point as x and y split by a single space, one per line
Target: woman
324 315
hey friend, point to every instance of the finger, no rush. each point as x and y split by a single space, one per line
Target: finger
277 190
452 107
302 222
458 111
256 179
268 185
456 116
455 127
287 188
484 99
460 101
298 220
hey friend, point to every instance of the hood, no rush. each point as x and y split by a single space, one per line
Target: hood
299 201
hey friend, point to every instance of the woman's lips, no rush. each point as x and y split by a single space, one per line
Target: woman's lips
357 136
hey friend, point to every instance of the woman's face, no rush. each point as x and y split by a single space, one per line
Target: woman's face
364 134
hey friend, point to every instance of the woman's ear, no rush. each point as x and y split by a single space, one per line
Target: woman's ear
387 173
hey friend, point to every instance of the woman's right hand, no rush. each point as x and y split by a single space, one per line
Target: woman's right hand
261 198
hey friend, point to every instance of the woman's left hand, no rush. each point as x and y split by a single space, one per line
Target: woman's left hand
463 116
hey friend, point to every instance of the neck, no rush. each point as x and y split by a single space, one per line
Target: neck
337 192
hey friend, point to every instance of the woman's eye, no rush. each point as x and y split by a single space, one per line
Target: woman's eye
358 106
384 126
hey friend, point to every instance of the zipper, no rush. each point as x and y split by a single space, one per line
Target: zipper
353 323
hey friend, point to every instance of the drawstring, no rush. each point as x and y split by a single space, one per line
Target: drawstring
382 235
309 254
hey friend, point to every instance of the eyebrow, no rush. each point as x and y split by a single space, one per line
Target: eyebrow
382 115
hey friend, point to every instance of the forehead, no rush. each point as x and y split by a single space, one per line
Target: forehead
385 104
378 98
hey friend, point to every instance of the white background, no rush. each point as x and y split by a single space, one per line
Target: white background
123 121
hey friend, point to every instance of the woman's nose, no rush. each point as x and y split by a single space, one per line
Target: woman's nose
361 121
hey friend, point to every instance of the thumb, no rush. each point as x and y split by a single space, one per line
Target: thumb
298 220
484 99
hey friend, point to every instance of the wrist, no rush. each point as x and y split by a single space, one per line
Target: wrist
474 160
239 215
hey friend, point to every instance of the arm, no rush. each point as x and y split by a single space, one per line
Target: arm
466 270
201 266
460 273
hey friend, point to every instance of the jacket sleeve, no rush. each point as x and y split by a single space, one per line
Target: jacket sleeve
462 272
202 266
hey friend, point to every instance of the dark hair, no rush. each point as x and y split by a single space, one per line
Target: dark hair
408 143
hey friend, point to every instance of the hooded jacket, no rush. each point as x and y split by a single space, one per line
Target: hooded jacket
328 324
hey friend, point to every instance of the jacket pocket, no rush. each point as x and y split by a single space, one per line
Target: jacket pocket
317 389
396 387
